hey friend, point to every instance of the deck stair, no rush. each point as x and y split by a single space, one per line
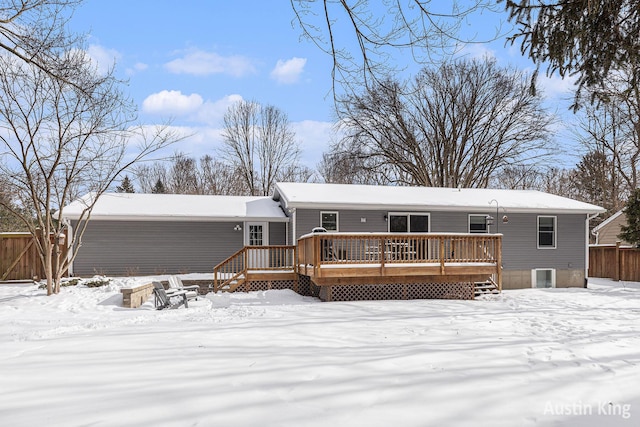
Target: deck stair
488 287
255 264
231 285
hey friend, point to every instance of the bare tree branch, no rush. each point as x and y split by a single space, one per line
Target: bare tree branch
455 125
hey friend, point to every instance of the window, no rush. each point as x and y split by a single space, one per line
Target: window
543 278
408 223
255 235
329 221
478 224
547 232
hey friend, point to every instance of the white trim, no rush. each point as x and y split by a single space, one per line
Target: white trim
586 248
534 277
485 223
407 214
337 214
172 218
555 232
265 231
294 219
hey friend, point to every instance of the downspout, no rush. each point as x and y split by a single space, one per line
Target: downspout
586 254
293 226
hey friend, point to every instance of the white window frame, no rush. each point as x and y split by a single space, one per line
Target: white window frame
408 214
534 277
486 229
555 232
265 232
337 214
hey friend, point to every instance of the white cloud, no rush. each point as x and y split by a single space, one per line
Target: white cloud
315 138
201 63
476 51
555 86
103 59
137 68
289 71
212 113
192 108
172 102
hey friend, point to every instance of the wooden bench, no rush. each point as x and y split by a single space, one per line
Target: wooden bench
136 296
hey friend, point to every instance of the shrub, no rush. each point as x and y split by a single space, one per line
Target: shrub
96 282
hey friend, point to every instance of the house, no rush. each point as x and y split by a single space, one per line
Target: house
135 234
545 237
606 233
381 240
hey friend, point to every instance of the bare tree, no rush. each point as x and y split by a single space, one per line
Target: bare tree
60 142
519 177
619 101
183 176
9 221
455 125
259 142
596 180
383 33
148 174
607 168
33 31
341 167
217 177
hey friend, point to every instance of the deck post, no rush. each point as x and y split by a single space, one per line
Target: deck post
499 263
382 252
317 256
441 255
616 274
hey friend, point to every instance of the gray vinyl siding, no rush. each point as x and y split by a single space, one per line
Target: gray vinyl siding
520 249
155 247
349 221
277 233
449 222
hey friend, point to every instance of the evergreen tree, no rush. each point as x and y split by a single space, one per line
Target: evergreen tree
631 231
125 186
158 188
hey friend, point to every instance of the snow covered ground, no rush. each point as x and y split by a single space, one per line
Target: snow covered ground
523 358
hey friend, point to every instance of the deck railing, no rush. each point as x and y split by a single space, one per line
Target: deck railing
258 258
315 250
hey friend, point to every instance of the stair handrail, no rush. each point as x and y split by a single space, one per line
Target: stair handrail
216 270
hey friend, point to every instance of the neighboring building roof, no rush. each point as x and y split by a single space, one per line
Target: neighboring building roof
177 207
347 196
607 231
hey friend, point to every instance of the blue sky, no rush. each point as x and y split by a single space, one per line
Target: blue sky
189 60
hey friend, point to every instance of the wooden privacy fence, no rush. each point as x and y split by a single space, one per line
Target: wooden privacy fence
614 262
19 258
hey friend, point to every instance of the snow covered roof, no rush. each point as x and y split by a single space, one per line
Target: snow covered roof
177 207
348 196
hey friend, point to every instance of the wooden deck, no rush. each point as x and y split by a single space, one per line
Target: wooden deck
344 259
359 258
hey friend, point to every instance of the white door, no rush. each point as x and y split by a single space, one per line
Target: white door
257 234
